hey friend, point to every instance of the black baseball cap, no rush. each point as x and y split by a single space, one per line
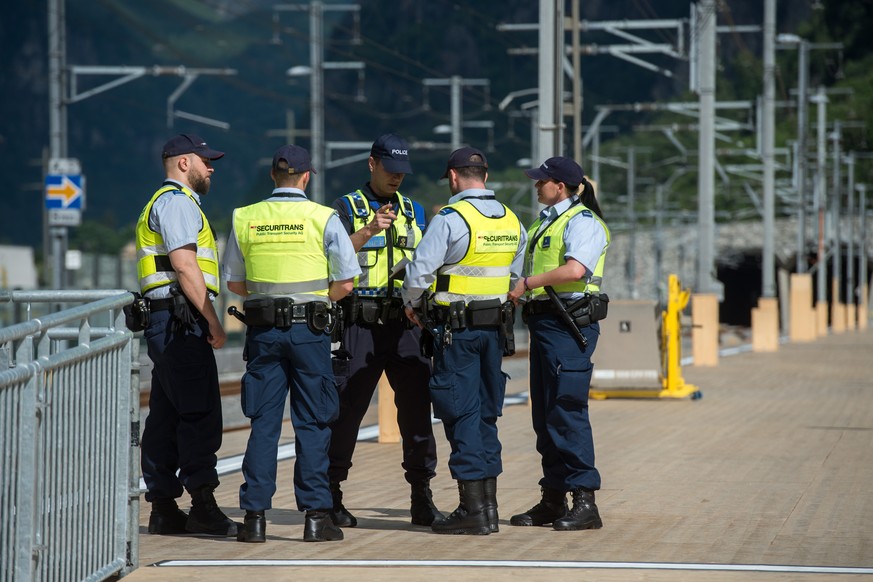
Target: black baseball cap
189 143
558 168
465 157
394 153
297 158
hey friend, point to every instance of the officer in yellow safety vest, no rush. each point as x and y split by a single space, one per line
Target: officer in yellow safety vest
177 263
564 259
289 257
385 227
456 287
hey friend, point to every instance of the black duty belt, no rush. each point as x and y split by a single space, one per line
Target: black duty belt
458 315
160 304
367 310
283 312
539 307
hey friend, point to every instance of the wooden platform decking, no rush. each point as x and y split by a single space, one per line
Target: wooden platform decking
769 476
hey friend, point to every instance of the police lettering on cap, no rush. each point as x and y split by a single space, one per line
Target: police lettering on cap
465 157
558 168
297 160
189 143
394 153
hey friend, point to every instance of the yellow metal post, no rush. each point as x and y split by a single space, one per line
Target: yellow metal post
671 343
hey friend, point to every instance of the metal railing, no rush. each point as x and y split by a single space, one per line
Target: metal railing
69 439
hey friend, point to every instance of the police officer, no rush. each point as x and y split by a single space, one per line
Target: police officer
566 253
289 258
456 286
385 227
177 264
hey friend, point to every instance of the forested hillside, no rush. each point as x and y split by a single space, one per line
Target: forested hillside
117 134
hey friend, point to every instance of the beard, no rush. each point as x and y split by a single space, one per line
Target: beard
199 182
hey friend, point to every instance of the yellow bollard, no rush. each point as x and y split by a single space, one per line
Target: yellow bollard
704 333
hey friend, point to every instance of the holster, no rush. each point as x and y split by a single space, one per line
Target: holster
589 309
507 328
137 315
184 314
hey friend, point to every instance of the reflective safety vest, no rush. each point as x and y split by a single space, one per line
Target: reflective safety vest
153 261
379 255
484 271
547 252
283 247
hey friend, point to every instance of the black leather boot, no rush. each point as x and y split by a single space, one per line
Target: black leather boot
319 527
491 504
469 518
254 528
205 517
584 514
166 518
423 510
339 514
552 506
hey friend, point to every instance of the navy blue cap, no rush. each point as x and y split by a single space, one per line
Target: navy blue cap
394 153
297 159
558 168
465 157
189 143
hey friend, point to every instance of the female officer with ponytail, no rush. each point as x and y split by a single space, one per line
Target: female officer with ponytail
565 254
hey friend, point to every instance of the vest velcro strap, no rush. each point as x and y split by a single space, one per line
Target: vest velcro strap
162 263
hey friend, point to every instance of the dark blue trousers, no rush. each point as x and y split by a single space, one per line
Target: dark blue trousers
394 350
467 390
560 377
183 429
282 360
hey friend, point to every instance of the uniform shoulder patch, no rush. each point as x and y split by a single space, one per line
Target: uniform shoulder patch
587 213
445 211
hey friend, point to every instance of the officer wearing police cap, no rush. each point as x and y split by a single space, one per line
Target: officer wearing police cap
177 264
385 228
566 253
289 257
457 285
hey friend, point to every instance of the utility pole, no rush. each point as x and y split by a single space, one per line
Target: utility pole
802 121
55 239
551 80
577 85
316 93
317 65
836 242
768 275
862 267
456 83
631 269
821 100
850 235
705 31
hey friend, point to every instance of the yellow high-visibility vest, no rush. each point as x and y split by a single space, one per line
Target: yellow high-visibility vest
283 247
548 253
153 261
373 256
484 271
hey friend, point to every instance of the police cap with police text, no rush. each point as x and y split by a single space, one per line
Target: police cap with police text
189 143
465 157
558 168
394 153
297 160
